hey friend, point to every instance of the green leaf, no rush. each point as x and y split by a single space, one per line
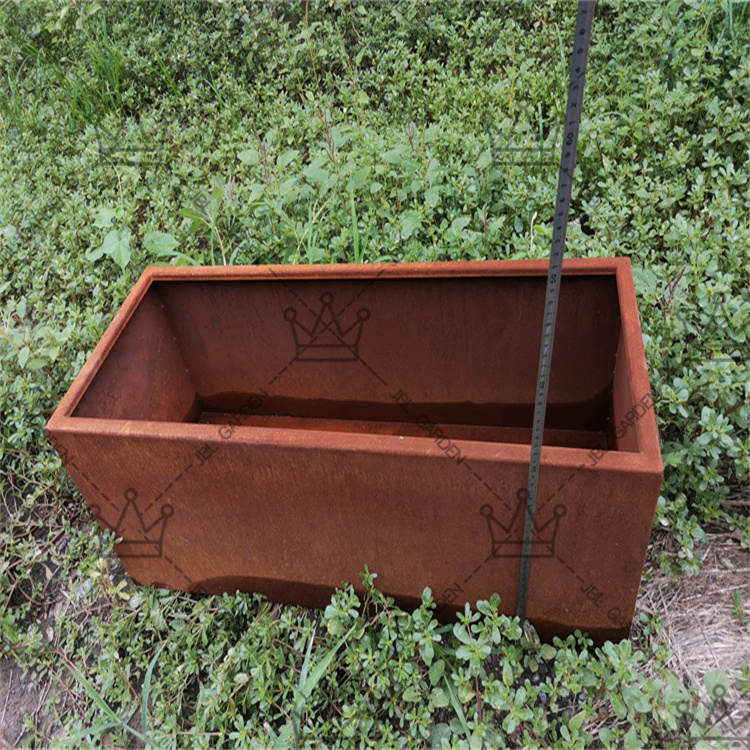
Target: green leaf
607 735
358 179
217 197
147 688
249 156
23 356
507 674
577 721
314 254
672 459
548 651
160 243
457 707
93 730
288 188
315 173
36 363
117 245
411 221
436 672
104 217
432 196
318 671
193 215
339 139
355 233
439 698
441 731
485 159
101 704
428 652
256 193
434 170
632 741
460 224
95 254
618 706
296 714
717 684
287 158
635 699
395 155
306 663
411 694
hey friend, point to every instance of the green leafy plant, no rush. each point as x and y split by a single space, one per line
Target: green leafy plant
114 720
163 245
116 243
738 610
203 214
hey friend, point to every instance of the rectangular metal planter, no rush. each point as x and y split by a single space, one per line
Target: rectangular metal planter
276 429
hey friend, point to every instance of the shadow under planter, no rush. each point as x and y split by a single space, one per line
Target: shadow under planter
276 429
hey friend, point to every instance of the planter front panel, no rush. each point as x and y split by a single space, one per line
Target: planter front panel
278 433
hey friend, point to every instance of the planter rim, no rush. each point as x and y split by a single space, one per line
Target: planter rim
576 458
648 456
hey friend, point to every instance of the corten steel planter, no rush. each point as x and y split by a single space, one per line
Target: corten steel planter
276 429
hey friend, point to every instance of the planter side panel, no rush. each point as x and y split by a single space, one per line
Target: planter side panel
464 351
143 376
293 522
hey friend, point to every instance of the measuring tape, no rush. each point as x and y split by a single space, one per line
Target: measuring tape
578 66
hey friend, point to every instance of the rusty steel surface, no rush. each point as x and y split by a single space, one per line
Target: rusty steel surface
276 429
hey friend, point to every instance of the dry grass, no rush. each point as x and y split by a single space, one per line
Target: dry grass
701 627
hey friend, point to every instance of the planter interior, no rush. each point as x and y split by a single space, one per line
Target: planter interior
466 355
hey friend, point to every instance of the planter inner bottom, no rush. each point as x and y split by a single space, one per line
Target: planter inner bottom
483 433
